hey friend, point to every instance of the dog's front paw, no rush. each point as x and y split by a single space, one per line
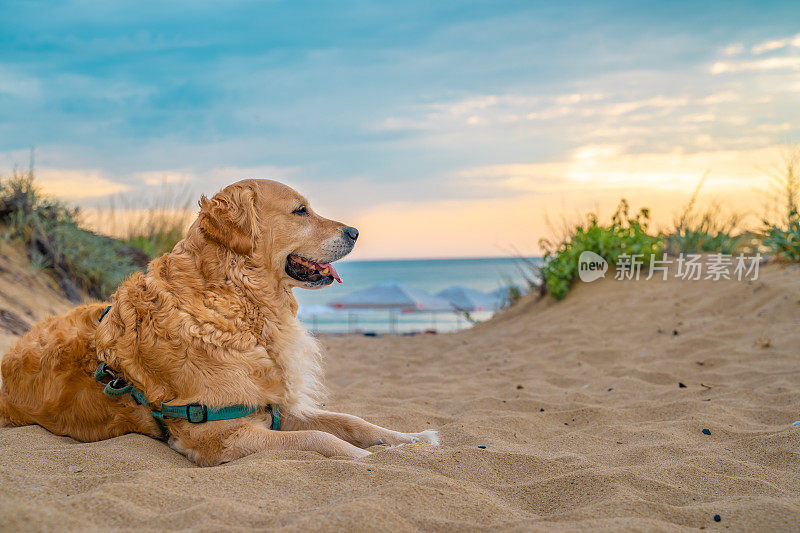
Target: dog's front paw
429 436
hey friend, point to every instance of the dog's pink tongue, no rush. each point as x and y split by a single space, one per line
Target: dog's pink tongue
323 266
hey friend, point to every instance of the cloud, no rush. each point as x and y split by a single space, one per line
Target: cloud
775 127
623 108
724 97
494 109
159 177
595 167
769 46
18 85
498 110
77 184
689 120
775 44
773 63
698 117
578 98
779 62
733 49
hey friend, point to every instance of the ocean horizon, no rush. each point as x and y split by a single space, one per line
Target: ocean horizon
485 274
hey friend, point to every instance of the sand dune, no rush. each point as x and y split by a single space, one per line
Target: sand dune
562 415
26 295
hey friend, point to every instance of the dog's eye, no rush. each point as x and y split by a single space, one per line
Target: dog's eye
302 211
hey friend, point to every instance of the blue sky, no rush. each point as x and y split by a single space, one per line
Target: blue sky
406 117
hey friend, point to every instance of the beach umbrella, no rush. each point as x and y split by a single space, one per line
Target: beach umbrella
466 299
393 296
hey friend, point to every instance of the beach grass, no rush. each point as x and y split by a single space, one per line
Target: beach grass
707 231
57 239
782 236
78 259
153 224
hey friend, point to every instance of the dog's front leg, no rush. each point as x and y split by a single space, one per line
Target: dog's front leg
354 430
213 449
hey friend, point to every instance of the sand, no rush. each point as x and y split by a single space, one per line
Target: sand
560 416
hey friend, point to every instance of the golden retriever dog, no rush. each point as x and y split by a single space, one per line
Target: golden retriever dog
211 325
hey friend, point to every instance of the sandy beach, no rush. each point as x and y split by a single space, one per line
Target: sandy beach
587 413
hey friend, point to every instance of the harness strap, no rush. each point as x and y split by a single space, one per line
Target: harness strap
195 413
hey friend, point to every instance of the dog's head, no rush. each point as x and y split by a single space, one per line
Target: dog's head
276 227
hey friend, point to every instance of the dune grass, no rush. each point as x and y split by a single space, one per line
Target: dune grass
782 238
57 241
78 259
152 224
709 231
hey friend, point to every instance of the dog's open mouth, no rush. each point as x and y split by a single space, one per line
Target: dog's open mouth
309 271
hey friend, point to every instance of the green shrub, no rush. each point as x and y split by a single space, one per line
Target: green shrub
625 235
784 242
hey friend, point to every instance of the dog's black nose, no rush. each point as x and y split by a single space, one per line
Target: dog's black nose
351 232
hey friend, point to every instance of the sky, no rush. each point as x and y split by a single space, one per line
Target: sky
439 129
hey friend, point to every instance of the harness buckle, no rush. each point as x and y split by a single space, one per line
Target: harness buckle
117 387
102 372
196 413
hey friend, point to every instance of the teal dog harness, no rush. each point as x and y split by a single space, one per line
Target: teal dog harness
116 386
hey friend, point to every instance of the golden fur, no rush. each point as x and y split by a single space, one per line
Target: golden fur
212 322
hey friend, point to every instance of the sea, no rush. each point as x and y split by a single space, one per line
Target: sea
431 275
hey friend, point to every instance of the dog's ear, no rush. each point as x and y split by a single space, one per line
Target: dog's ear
229 218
